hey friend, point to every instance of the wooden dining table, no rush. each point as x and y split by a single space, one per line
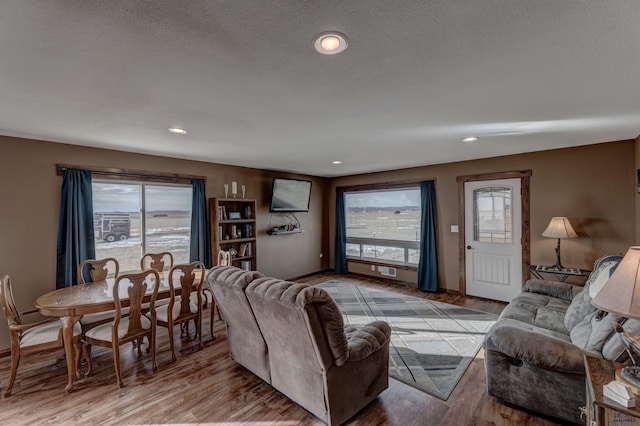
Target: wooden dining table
71 303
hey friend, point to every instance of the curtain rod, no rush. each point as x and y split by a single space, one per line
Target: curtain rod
127 173
386 185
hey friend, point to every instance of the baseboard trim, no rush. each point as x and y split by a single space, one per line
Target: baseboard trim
322 271
385 280
382 279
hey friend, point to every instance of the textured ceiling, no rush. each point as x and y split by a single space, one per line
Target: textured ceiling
243 78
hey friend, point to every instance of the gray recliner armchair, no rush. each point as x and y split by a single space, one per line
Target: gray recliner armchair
246 344
293 337
331 371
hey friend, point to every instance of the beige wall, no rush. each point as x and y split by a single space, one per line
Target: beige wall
30 195
637 196
594 186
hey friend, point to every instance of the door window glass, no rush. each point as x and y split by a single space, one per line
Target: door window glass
492 215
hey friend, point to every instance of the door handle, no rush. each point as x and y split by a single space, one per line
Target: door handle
469 247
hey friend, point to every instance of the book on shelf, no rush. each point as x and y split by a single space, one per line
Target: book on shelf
248 249
243 250
246 265
222 213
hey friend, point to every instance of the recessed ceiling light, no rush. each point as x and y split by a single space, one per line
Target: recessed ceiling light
178 130
470 139
336 162
330 43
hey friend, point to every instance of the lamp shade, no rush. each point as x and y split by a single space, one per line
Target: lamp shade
621 293
559 227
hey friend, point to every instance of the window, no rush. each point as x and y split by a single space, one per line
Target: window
132 218
384 225
492 215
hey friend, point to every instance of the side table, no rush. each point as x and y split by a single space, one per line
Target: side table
538 270
600 409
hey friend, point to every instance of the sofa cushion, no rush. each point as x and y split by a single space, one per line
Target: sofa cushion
581 305
534 345
555 289
601 276
597 334
579 309
331 321
592 332
538 310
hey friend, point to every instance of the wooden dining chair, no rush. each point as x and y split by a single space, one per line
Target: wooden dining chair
92 270
160 262
208 302
134 327
224 258
188 278
163 262
31 337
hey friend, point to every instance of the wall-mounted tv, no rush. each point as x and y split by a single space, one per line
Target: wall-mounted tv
290 195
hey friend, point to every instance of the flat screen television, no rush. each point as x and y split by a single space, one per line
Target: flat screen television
290 195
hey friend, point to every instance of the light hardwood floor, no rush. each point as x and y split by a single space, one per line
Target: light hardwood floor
208 387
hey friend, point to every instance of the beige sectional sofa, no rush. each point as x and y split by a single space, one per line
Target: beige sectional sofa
292 336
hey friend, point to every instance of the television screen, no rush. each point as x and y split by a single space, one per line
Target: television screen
290 195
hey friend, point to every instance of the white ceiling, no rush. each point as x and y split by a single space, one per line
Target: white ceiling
243 78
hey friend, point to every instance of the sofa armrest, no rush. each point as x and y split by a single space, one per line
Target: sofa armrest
538 349
556 289
365 340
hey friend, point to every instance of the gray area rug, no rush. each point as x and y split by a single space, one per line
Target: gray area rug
432 343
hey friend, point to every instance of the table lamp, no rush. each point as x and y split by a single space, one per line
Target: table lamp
621 295
559 227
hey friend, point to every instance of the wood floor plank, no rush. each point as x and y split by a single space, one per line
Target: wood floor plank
207 387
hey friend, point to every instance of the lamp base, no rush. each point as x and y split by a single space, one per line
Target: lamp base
630 376
558 265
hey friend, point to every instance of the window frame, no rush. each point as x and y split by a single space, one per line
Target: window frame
142 185
401 244
142 179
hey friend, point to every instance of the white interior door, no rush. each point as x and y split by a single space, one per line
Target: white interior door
493 238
